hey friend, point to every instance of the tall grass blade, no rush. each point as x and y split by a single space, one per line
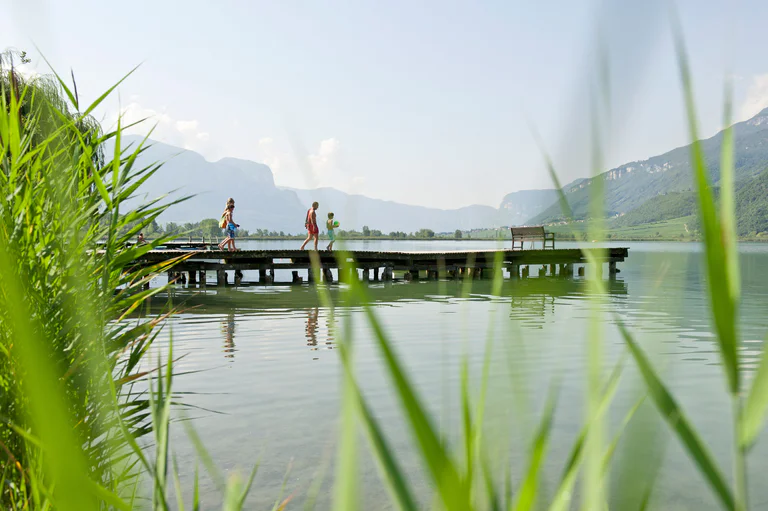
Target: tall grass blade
453 491
679 423
390 470
756 404
526 496
718 275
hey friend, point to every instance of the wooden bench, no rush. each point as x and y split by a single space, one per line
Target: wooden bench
522 234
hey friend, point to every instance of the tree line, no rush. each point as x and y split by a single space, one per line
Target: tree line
209 228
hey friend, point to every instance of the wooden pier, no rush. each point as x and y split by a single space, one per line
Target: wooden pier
377 266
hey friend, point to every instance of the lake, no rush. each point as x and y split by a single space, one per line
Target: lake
260 372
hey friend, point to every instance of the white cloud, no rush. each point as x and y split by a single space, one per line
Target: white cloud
324 163
757 97
178 132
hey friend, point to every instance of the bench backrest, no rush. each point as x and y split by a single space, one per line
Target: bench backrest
527 232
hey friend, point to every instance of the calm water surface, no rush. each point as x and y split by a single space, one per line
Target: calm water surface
262 372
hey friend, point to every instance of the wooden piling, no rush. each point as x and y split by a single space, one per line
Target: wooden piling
192 277
612 270
203 278
581 271
552 270
221 277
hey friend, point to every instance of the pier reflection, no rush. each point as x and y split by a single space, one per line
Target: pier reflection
228 329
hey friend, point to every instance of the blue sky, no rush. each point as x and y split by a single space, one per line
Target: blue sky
420 102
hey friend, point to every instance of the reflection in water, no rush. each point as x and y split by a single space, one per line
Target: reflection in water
312 328
312 315
228 329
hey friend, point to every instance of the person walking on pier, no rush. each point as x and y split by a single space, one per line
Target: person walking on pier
310 222
330 226
229 226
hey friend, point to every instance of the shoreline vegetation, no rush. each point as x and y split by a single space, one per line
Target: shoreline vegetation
86 414
564 232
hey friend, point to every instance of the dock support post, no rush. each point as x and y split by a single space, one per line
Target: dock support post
203 280
412 274
387 275
543 270
526 271
612 270
262 276
581 271
552 270
310 275
221 277
366 275
192 277
327 275
296 278
170 276
375 274
238 277
514 271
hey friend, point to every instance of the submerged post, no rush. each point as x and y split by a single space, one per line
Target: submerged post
221 277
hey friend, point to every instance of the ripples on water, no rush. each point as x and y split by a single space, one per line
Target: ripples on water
263 359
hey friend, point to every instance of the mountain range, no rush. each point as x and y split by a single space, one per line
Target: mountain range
262 205
631 186
653 190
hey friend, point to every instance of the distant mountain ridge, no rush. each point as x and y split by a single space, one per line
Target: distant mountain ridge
630 185
262 205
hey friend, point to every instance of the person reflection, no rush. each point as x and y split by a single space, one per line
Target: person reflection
312 315
330 325
228 329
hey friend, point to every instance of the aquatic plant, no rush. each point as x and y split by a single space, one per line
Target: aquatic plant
66 369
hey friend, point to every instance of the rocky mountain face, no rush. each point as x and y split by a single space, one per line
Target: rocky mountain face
630 185
262 205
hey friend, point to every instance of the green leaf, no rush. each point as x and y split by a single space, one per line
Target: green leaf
388 467
679 423
753 415
723 302
453 491
526 496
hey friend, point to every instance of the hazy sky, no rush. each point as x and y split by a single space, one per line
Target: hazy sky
421 102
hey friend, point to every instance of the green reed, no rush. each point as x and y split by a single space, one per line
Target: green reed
71 424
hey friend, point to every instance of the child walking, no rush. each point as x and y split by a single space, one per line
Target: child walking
229 226
330 226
